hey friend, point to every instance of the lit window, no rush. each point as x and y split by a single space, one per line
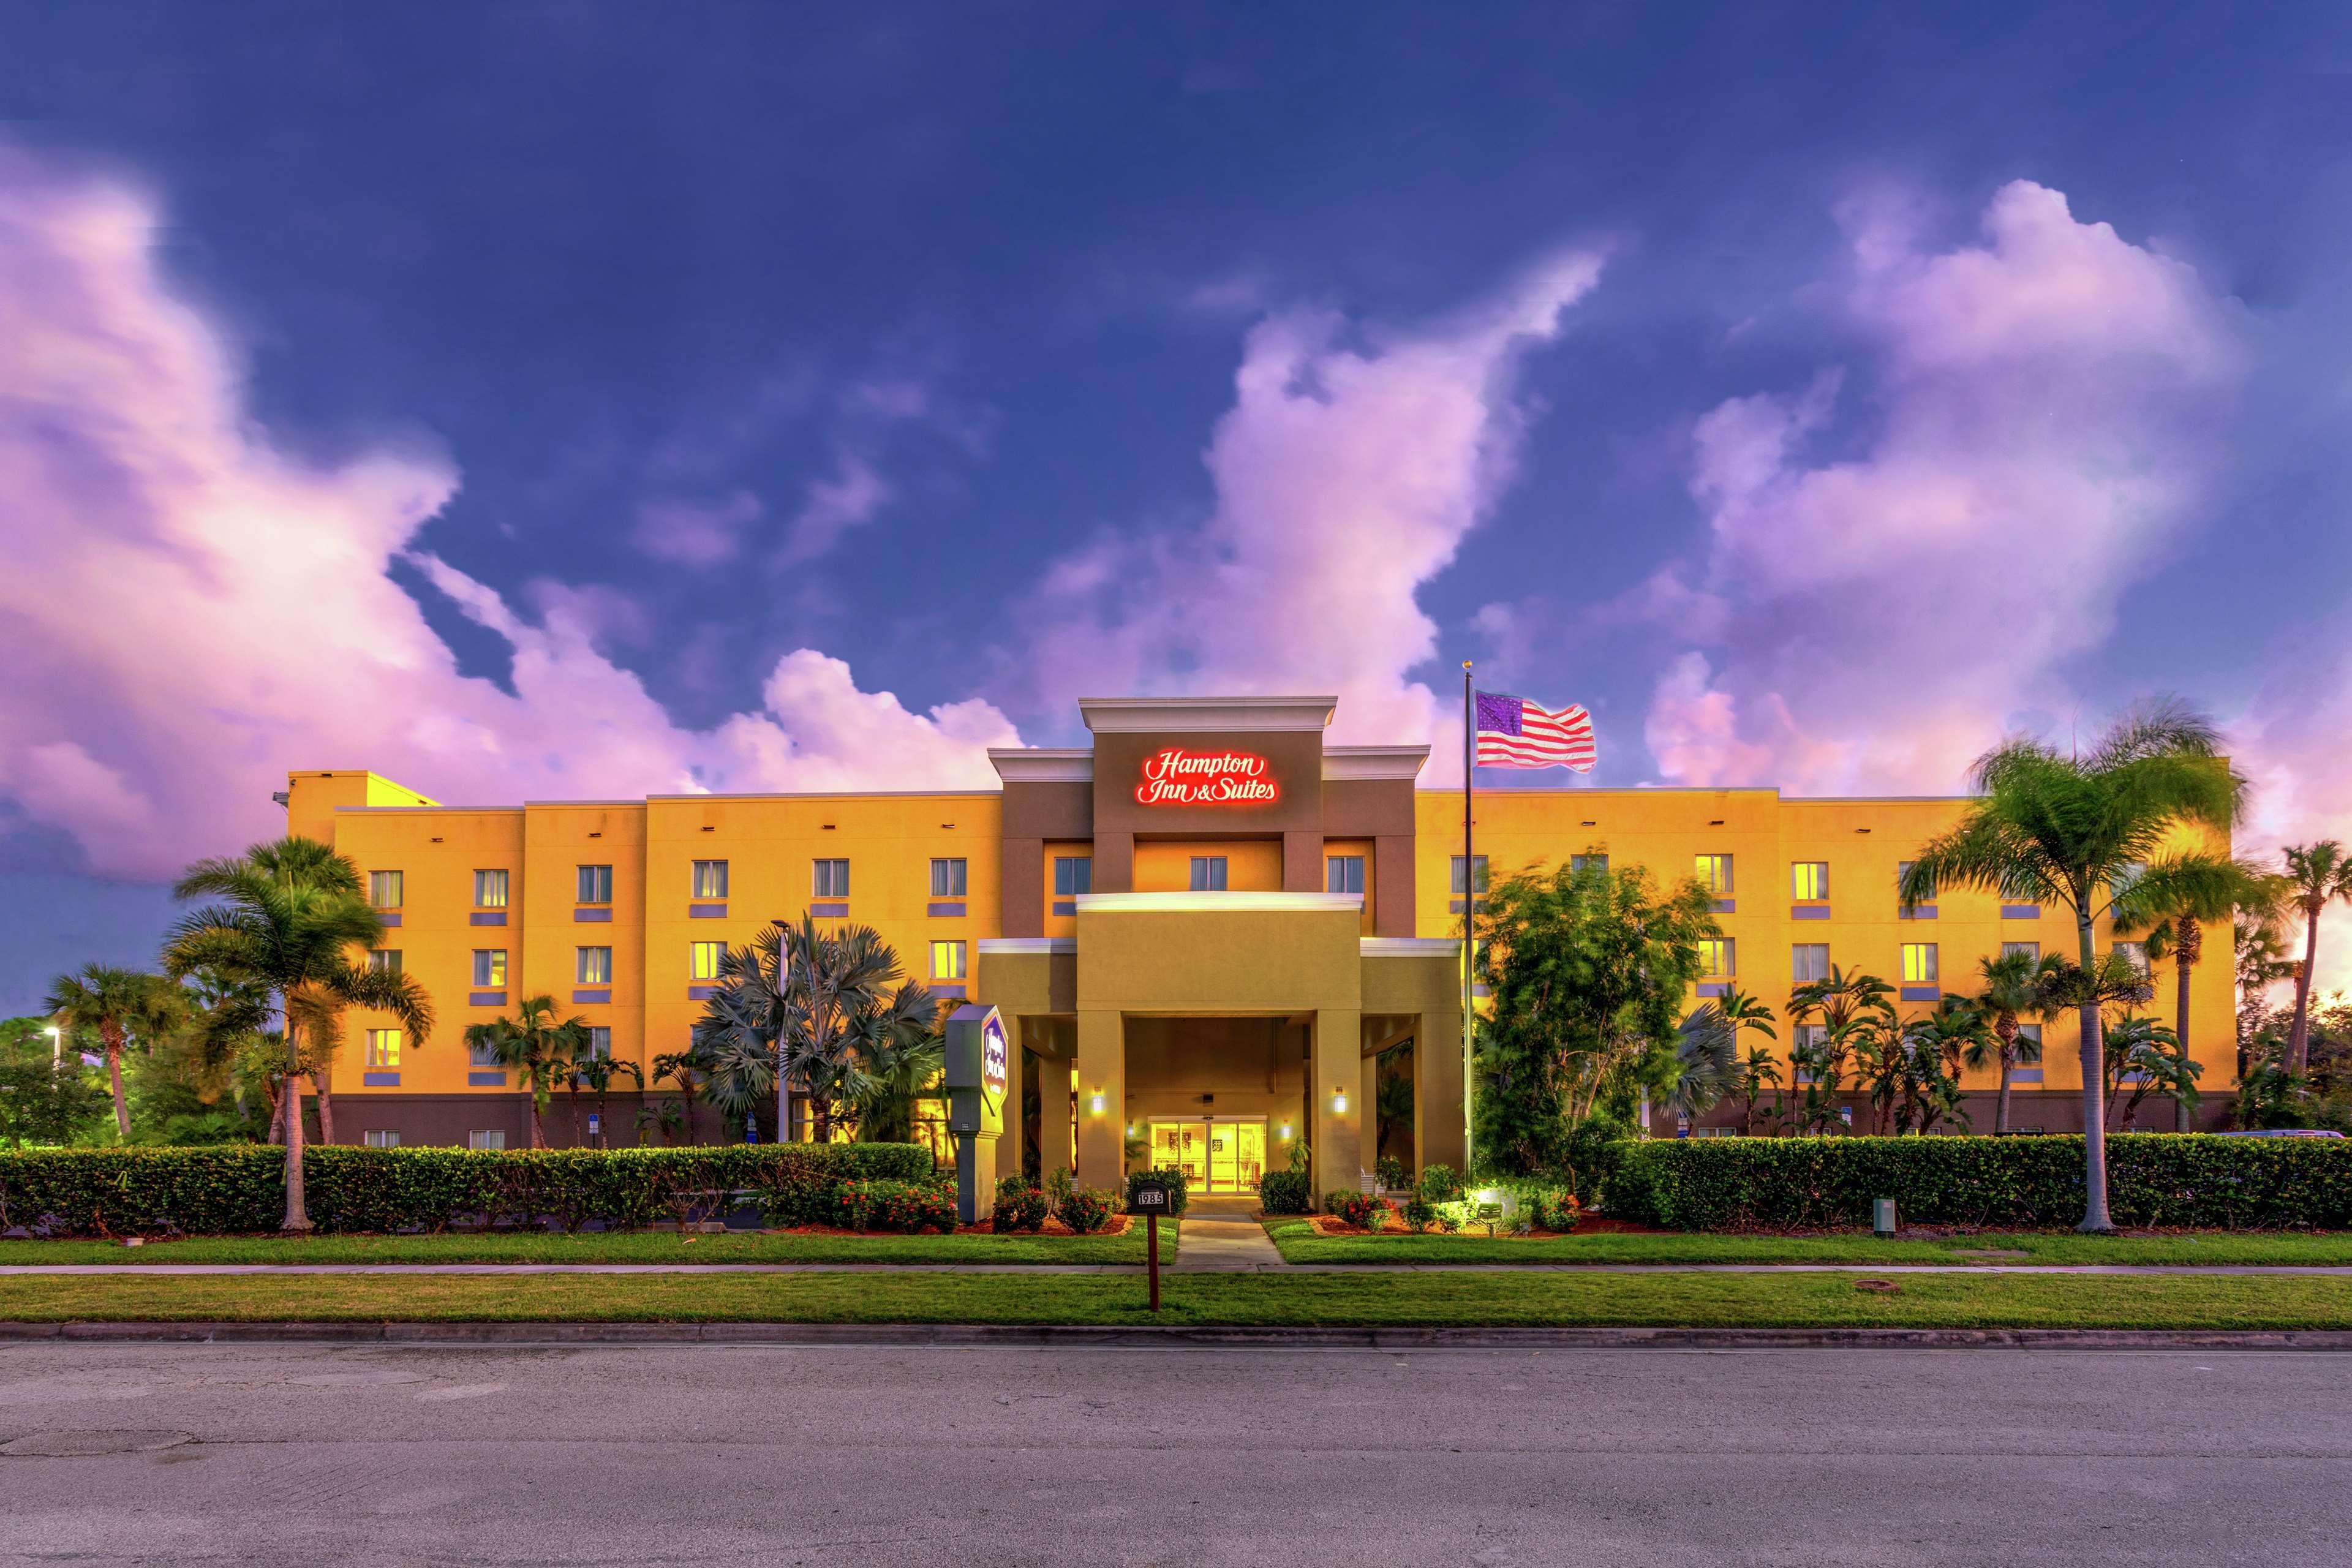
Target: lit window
491 968
1073 875
1809 960
947 961
1810 880
600 1042
490 890
1713 874
1919 963
383 1047
1718 957
710 878
2031 950
707 955
1587 863
375 1139
829 878
496 1138
947 878
596 885
1457 874
595 965
384 960
1343 873
1207 873
385 890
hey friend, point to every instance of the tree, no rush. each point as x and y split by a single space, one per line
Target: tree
2012 988
1589 968
901 1072
534 1046
2143 1056
45 1095
2317 875
689 1070
289 917
122 1007
2082 831
595 1072
1846 1014
2175 929
1743 1013
1934 1047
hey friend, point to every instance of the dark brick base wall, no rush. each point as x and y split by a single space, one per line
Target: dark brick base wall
450 1118
2038 1110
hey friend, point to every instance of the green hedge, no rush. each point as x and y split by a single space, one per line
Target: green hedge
2153 1179
234 1188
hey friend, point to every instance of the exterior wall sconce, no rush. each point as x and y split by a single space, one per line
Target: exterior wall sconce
1095 1105
1286 1126
1338 1102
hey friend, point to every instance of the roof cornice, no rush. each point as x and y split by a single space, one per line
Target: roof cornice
1373 761
1128 715
1043 765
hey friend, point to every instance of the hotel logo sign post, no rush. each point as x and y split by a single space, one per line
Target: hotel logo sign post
1176 776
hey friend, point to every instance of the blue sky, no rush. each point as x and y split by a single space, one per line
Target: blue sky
544 400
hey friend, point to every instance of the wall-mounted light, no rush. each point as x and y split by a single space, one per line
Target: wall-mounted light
1286 1126
1338 1102
1130 1130
1094 1104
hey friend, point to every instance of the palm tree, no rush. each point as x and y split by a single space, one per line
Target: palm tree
901 1075
289 918
533 1044
2084 831
1856 1013
2012 987
2176 929
121 1007
2317 875
595 1072
1709 1062
683 1068
2143 1055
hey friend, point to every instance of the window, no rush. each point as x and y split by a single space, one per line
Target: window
385 890
1481 870
596 885
1808 1037
1207 873
1810 880
1343 873
496 1138
1903 873
482 1054
710 878
707 955
830 879
380 1140
2029 1034
1719 959
491 968
2128 873
1809 960
383 1047
1587 863
384 960
1713 874
947 878
2134 954
490 890
1073 875
595 965
947 961
2031 950
600 1043
1919 963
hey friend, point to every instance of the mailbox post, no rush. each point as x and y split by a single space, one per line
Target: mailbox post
978 1071
1152 1198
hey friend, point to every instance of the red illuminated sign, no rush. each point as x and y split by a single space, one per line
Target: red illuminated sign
1179 777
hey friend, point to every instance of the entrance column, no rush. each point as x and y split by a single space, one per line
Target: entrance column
1339 1070
1102 1070
1370 1071
1053 1105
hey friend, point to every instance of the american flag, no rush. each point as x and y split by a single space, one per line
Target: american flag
1516 733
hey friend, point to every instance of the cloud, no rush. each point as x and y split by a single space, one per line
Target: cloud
2031 441
1346 474
2290 743
697 534
190 610
851 495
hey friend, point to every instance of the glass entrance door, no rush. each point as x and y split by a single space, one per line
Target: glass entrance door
1182 1146
1220 1156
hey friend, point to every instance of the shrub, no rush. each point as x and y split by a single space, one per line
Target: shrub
1392 1172
1085 1210
1441 1183
2153 1179
906 1209
1419 1214
1291 1191
1019 1207
1058 1185
1596 1146
1177 1195
1354 1208
226 1189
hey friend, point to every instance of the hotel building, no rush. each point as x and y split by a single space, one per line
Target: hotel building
1208 930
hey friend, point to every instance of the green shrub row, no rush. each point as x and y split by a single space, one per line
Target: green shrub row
2153 1179
231 1188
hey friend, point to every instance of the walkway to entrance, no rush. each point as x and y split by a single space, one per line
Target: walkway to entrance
1222 1235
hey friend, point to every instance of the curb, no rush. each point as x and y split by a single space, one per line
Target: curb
1059 1335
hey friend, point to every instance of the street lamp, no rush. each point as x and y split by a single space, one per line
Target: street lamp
57 1045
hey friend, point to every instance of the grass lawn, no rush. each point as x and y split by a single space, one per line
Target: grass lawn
1711 1300
1298 1243
624 1247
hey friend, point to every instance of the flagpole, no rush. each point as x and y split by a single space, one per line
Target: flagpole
1469 919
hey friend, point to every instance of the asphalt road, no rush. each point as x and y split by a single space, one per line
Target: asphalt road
316 1455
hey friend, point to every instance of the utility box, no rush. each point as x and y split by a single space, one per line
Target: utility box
978 1075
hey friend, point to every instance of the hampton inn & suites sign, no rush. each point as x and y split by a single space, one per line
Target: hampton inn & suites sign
1176 776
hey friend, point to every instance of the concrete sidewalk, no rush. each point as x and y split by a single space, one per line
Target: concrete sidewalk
1222 1235
1237 1256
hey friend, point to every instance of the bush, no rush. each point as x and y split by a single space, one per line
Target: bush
1177 1195
1085 1210
228 1189
2153 1179
1354 1208
1392 1172
1596 1146
1291 1191
906 1208
1441 1184
1019 1207
1420 1214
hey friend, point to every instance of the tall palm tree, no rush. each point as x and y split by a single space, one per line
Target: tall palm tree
2317 875
2081 831
2175 929
122 1007
687 1069
901 1075
533 1044
1935 1046
595 1072
2012 988
288 919
1856 1014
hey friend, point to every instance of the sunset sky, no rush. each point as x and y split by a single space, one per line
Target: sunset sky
548 401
